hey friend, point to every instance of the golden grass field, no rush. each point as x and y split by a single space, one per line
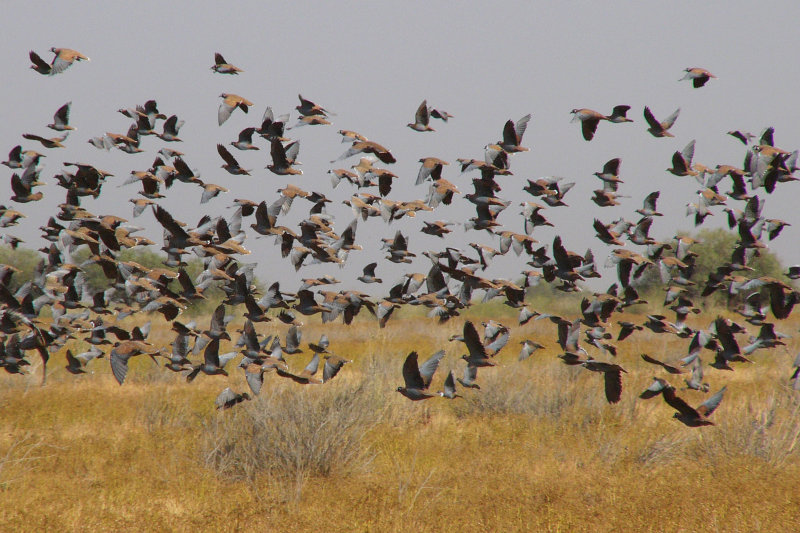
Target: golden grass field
536 449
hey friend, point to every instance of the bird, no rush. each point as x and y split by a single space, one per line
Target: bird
431 168
368 147
422 118
470 375
245 140
227 398
528 347
231 164
589 119
17 158
612 377
699 76
477 355
64 58
53 142
333 364
223 67
660 129
512 135
415 388
74 365
211 364
229 103
669 368
688 415
170 130
682 161
449 391
368 275
121 354
61 119
306 376
284 157
307 108
440 114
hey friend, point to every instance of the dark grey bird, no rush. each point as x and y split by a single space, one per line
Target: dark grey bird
415 388
74 365
211 364
227 398
688 415
470 375
612 377
477 351
368 275
669 368
449 391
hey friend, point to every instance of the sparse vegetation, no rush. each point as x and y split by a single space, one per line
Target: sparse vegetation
537 448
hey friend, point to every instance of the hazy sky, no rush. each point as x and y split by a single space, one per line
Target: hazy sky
373 63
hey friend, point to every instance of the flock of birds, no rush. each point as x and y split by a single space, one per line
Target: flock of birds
80 313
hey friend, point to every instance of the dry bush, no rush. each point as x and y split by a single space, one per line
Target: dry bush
663 449
165 411
767 429
17 458
292 433
513 390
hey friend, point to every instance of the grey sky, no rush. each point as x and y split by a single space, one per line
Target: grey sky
373 62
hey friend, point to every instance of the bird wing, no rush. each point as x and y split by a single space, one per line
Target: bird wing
312 367
224 112
473 341
225 397
422 116
61 118
651 120
332 367
278 153
211 354
708 406
450 385
589 127
679 404
613 385
428 368
670 120
521 126
510 134
411 374
291 151
226 156
293 337
38 61
119 365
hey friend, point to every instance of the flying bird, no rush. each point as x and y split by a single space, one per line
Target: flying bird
229 103
422 118
660 129
223 67
64 58
699 76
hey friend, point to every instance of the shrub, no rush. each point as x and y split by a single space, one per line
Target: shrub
292 433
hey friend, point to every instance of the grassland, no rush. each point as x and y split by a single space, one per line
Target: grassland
536 449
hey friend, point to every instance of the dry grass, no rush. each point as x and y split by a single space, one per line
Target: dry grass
536 449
